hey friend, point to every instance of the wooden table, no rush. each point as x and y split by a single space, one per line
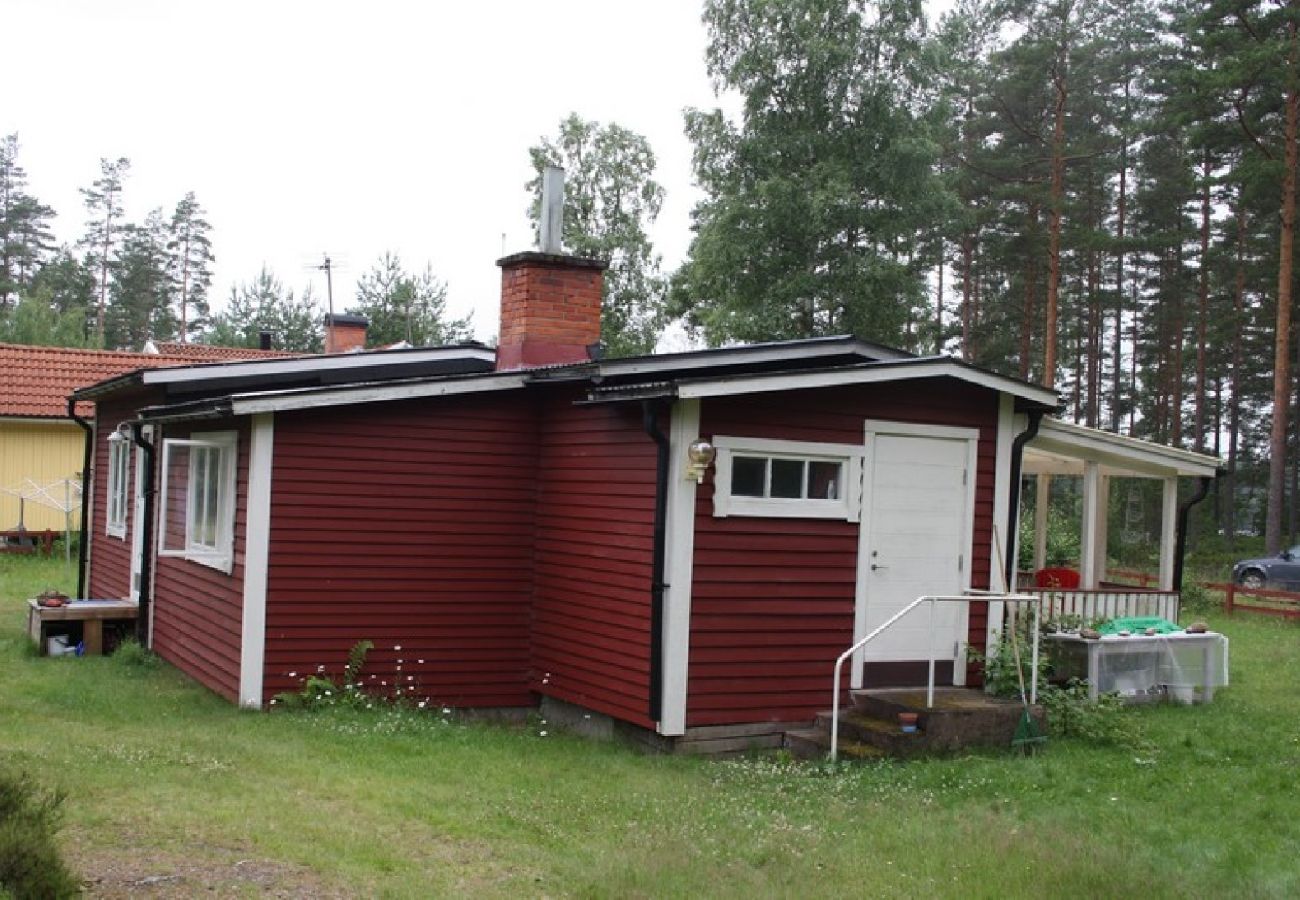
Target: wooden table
92 614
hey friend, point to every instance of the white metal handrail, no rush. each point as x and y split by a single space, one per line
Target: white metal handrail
970 596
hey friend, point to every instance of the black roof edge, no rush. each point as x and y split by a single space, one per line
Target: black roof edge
109 385
191 410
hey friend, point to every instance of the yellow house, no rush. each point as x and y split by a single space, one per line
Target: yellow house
41 447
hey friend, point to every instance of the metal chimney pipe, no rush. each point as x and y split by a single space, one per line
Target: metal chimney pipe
552 219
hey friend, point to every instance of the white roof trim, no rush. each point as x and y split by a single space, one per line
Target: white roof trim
900 370
1062 447
295 364
313 398
736 356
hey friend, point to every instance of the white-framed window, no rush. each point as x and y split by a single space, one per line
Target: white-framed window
197 517
119 484
787 479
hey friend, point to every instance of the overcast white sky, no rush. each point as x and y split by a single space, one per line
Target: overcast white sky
347 127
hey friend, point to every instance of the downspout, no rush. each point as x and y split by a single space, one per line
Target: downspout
82 549
650 411
1013 511
145 590
1180 539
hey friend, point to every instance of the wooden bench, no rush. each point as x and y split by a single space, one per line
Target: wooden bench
92 614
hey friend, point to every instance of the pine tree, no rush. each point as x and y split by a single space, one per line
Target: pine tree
402 306
140 297
103 200
264 304
25 236
189 248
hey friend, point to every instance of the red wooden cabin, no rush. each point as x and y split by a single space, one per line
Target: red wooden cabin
521 526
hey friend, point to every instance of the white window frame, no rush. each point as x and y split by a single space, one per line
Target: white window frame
848 506
119 486
219 554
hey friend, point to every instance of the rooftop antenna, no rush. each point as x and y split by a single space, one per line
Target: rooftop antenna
328 268
552 219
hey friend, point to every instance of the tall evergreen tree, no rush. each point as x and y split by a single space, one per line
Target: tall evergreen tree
610 201
140 297
264 304
189 247
25 236
103 200
404 306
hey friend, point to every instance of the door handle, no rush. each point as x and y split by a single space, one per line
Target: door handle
874 567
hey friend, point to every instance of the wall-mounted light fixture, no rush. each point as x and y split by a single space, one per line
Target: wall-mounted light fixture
699 456
121 433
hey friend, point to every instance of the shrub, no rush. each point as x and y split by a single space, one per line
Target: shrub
30 865
1197 600
133 655
1001 676
1106 720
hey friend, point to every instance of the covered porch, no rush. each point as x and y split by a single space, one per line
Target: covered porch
1097 458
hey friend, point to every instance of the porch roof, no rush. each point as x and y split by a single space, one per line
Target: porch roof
1063 448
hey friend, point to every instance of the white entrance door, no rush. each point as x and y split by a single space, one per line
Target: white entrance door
918 497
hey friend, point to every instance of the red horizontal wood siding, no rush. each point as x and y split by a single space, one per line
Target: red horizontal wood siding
197 609
409 525
595 525
772 599
109 574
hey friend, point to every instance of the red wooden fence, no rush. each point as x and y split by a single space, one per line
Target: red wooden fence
1287 602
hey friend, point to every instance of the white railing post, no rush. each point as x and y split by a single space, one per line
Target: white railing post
929 684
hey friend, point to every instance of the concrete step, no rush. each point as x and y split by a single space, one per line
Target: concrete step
885 735
815 743
960 717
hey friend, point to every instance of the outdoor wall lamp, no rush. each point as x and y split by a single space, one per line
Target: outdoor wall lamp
120 433
699 457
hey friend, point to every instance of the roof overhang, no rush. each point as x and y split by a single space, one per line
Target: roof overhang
254 402
872 373
1063 448
201 376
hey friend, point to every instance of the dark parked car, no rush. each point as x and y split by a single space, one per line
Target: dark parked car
1282 570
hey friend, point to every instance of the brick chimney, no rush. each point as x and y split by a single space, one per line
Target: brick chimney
550 309
343 334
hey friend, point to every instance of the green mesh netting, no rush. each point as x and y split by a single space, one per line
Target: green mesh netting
1138 625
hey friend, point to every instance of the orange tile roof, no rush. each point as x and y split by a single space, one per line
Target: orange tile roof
36 381
209 353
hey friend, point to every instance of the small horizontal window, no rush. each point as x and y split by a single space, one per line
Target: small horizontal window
791 479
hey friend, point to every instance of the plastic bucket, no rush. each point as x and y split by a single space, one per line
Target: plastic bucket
60 645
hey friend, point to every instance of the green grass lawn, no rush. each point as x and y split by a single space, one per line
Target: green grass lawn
172 789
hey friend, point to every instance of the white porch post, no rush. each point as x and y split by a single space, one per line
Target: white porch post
1088 531
1168 527
1004 545
1042 494
1102 528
